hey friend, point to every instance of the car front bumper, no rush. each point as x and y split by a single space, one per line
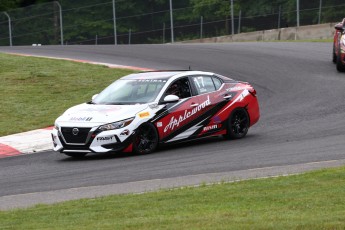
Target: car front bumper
92 140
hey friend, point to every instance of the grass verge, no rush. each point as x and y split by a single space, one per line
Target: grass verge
314 200
35 91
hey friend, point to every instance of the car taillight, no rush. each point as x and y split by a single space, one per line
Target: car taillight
252 91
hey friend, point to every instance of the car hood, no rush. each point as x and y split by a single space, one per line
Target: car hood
91 114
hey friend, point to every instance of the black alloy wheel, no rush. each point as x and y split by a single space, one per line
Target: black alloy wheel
145 139
238 124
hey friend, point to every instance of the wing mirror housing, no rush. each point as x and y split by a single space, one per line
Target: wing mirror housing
171 99
339 27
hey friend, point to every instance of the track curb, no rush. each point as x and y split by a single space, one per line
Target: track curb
40 139
25 143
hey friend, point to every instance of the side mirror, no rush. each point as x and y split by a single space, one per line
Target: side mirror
94 96
339 27
171 98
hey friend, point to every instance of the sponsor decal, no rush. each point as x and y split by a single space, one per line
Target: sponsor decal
203 90
243 95
151 80
105 138
80 118
217 120
175 122
102 109
236 88
144 114
211 127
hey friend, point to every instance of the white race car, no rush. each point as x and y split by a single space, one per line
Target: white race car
140 111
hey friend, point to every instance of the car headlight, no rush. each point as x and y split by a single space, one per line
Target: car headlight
116 125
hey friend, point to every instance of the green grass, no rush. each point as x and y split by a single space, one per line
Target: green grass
313 200
35 91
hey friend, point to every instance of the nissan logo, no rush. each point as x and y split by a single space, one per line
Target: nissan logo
75 131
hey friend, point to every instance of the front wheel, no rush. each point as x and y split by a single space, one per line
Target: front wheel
237 124
339 64
145 139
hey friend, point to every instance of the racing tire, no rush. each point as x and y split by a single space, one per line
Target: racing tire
145 139
339 64
237 124
334 56
76 155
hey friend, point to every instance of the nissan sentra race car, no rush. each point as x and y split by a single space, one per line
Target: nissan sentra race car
140 111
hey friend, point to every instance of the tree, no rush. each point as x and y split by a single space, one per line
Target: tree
8 4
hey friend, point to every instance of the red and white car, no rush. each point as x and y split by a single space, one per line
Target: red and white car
143 110
338 55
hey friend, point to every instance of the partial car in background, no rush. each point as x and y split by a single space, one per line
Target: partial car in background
338 55
140 111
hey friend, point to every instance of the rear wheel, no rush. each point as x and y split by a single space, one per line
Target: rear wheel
334 56
145 139
76 155
238 124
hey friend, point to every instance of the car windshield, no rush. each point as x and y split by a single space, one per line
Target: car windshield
123 92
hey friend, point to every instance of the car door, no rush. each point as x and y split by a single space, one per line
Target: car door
175 122
211 100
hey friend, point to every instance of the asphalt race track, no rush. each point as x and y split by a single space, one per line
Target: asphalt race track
302 99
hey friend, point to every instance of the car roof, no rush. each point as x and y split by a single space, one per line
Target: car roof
162 74
151 75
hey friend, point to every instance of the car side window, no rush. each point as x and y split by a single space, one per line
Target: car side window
203 84
180 88
217 82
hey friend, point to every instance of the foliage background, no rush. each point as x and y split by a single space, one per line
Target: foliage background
91 21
